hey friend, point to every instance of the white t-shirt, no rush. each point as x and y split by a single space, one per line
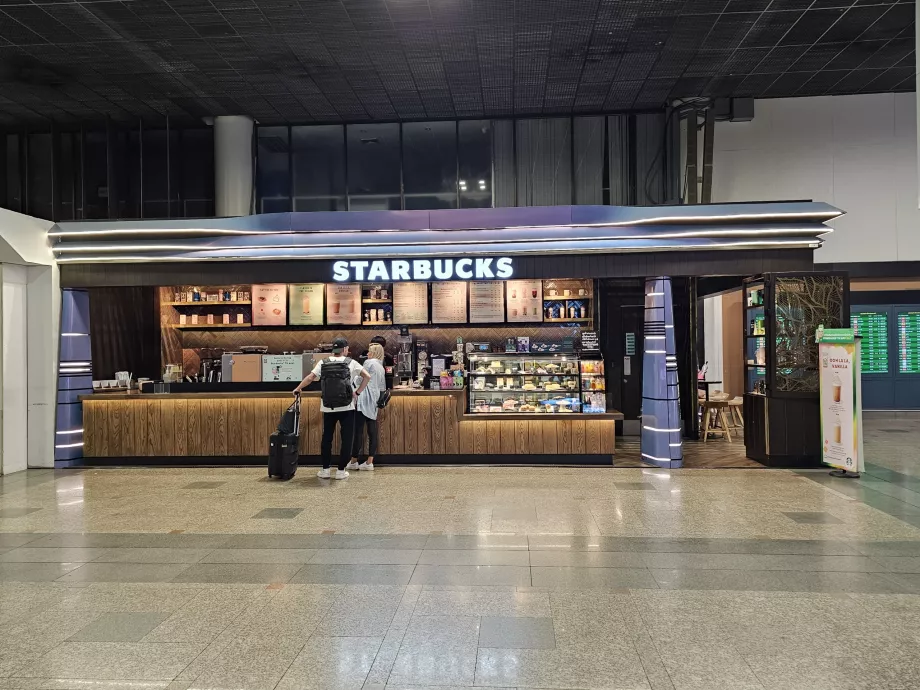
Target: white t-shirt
355 370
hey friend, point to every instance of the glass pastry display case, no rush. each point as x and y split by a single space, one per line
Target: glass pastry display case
593 386
524 383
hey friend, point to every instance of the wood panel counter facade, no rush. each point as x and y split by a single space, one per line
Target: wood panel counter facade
417 426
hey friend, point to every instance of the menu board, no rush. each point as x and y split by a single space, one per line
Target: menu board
448 302
269 305
873 327
344 304
410 303
487 301
525 300
306 304
909 342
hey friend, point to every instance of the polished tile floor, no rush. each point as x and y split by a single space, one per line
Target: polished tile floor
476 577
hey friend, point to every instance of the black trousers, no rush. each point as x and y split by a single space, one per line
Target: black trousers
372 437
346 420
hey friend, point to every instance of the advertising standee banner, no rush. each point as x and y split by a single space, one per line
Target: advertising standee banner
841 399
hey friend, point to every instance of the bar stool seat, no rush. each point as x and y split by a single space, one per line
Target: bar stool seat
713 416
735 405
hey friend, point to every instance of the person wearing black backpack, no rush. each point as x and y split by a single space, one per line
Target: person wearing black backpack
336 375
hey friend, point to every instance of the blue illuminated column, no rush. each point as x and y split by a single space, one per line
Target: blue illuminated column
661 428
75 374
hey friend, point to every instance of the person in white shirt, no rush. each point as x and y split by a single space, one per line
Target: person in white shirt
337 374
366 415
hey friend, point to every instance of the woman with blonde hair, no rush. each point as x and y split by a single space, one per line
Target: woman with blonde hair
366 415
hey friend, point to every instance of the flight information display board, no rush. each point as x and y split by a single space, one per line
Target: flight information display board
873 327
909 342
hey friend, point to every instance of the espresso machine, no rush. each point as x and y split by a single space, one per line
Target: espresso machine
405 358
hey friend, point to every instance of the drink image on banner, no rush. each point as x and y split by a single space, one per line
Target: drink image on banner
336 306
837 385
306 304
838 427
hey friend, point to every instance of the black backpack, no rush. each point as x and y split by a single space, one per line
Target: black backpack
335 379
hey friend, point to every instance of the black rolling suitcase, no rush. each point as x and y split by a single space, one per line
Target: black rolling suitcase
283 446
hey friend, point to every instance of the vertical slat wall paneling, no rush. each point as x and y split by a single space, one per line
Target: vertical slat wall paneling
493 437
221 427
507 432
521 437
181 427
410 424
208 426
89 424
651 142
564 436
480 435
234 438
503 175
193 427
397 435
593 436
154 429
423 415
550 442
383 430
453 431
437 404
588 155
608 436
578 436
314 422
535 431
543 150
168 426
622 190
115 429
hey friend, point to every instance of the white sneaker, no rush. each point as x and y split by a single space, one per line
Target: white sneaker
364 466
341 474
324 474
353 465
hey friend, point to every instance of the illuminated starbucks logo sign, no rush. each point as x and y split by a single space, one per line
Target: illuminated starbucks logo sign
397 270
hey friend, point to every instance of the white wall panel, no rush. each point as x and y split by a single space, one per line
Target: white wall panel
856 152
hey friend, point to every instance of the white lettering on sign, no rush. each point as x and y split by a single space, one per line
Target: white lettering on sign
399 270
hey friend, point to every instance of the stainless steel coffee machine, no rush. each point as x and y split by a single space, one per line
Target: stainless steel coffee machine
405 359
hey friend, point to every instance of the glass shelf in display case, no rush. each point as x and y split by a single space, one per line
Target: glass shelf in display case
593 386
524 383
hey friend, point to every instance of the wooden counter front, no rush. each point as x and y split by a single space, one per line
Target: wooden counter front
416 424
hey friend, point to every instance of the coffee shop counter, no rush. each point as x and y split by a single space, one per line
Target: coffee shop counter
418 426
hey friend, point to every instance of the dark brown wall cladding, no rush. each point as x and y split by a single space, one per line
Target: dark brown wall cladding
742 262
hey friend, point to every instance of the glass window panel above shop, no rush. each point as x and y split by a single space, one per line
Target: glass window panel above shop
197 189
373 167
40 175
95 172
475 163
318 159
155 174
430 164
274 174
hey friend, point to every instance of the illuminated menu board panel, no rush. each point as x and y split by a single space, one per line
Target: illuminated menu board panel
909 342
873 327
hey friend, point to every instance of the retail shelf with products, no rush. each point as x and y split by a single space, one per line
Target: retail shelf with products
206 326
211 303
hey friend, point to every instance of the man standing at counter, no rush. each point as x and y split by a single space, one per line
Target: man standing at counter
336 374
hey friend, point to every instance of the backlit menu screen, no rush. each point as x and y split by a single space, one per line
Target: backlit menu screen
873 327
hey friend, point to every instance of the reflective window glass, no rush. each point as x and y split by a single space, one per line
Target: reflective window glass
475 159
318 157
373 167
274 174
430 164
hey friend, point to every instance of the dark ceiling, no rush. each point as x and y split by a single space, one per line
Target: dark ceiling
360 60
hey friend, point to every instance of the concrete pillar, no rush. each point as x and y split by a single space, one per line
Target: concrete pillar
233 183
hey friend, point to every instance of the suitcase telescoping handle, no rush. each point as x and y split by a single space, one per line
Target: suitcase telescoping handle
297 413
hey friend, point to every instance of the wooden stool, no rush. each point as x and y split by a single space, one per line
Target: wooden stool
713 413
735 405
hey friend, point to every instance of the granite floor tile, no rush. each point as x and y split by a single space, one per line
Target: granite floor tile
635 486
16 539
896 564
25 554
889 548
293 612
334 574
124 572
586 667
516 633
587 559
119 627
203 485
592 578
779 581
366 556
113 661
365 609
711 561
438 650
471 575
477 541
250 663
267 573
813 518
103 597
474 557
17 512
34 572
277 513
701 666
209 613
259 556
151 555
510 602
372 541
131 540
331 663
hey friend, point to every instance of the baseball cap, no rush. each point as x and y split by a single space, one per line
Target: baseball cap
339 344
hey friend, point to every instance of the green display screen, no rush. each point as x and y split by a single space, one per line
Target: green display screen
909 342
873 327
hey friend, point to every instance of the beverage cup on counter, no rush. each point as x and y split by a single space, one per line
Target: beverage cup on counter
566 293
97 384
